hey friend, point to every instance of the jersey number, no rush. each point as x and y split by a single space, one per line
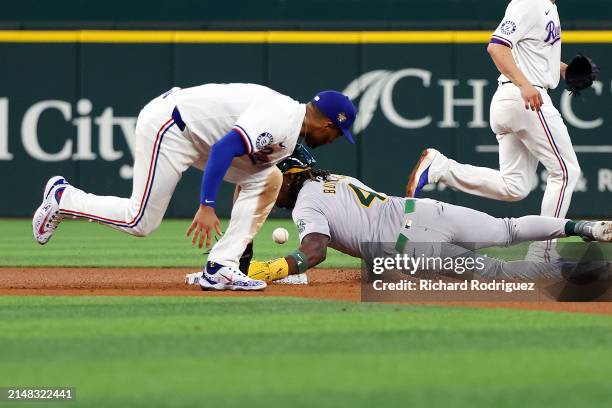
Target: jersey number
366 197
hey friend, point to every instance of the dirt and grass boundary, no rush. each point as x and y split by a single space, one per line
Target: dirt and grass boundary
328 284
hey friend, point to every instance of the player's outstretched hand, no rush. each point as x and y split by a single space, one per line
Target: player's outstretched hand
204 225
532 97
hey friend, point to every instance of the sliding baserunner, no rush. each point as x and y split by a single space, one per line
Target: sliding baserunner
341 212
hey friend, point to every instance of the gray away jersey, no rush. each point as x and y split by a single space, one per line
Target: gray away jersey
348 212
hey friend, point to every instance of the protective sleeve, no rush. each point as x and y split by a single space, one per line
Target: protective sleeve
219 160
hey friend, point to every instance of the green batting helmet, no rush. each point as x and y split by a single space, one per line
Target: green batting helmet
300 160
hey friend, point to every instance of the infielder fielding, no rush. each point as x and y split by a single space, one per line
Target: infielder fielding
343 213
526 48
239 131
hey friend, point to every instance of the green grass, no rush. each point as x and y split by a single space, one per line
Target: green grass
84 244
276 352
273 352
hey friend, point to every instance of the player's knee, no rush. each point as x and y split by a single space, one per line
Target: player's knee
517 191
143 229
568 175
573 175
139 232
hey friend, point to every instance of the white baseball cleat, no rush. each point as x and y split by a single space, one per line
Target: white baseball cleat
193 278
47 216
602 231
228 278
421 175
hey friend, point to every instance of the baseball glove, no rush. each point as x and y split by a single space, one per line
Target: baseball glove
269 270
580 74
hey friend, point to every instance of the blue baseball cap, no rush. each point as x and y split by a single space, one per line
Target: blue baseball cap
338 108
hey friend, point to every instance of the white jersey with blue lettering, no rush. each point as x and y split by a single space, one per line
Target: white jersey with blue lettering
526 138
531 28
166 145
268 122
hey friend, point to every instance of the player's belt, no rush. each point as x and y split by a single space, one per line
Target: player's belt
176 115
402 239
537 86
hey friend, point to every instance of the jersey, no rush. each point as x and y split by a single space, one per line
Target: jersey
348 212
268 122
531 28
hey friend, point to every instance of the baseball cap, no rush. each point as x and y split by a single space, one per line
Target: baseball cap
338 108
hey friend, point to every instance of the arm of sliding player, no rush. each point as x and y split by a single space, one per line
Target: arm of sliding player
312 251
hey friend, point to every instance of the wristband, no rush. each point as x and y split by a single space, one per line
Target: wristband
300 259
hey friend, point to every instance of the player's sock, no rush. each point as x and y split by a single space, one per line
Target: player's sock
245 259
582 229
212 267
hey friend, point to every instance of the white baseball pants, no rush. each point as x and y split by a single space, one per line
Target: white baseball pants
525 138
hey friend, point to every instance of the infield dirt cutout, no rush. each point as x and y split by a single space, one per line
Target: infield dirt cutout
331 284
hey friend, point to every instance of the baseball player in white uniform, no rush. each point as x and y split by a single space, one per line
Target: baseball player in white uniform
236 132
343 213
526 48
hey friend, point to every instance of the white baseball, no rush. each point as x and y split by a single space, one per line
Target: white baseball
280 235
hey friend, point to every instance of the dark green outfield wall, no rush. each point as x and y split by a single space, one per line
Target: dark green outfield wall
70 109
270 14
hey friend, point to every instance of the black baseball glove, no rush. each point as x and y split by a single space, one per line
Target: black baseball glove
580 74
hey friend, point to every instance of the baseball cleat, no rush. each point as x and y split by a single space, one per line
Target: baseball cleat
420 177
193 278
219 277
600 231
47 216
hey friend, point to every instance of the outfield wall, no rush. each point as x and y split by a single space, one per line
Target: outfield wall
69 101
282 14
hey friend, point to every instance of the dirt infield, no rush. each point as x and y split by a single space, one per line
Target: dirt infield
332 284
323 283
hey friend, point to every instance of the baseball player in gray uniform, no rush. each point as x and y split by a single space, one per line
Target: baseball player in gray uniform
341 212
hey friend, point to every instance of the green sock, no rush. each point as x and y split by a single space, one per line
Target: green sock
570 228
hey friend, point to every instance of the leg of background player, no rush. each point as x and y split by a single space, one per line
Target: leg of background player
550 143
512 182
548 140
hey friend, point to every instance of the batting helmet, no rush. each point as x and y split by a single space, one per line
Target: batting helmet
300 160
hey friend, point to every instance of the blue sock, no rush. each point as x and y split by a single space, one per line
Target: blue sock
212 267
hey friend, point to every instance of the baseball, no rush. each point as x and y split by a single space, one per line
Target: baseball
280 235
